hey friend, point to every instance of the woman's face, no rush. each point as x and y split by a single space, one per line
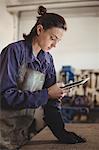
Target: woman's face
48 39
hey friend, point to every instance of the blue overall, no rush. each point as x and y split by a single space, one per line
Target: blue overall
24 82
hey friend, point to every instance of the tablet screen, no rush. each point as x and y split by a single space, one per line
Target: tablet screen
73 84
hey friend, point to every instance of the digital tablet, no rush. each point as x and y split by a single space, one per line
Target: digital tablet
73 84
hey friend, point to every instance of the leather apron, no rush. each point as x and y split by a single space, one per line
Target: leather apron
14 124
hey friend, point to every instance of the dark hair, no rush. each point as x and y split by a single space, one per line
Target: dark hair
47 20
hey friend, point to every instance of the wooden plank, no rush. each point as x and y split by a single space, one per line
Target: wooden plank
46 141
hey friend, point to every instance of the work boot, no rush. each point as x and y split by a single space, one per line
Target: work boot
71 138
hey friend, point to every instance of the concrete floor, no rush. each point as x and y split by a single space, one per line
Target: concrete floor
46 141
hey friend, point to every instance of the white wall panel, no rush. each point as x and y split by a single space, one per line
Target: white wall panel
6 26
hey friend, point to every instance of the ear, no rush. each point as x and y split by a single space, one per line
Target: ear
39 29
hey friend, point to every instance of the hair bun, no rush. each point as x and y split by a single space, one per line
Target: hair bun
42 10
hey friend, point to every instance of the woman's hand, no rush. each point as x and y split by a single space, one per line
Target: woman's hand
55 92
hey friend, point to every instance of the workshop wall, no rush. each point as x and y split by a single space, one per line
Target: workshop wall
6 26
79 47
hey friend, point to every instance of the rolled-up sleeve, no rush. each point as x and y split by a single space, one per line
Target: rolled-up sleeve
11 95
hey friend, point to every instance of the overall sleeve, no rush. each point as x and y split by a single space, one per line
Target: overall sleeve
50 80
51 74
11 96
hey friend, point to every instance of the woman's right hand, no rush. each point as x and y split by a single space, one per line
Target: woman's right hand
55 92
